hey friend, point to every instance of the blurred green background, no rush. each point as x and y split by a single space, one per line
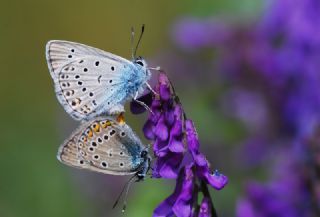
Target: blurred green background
33 123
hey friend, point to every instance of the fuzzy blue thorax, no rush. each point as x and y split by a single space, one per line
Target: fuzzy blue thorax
134 79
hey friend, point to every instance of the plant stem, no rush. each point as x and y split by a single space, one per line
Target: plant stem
206 193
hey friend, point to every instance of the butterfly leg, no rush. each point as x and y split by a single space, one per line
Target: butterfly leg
152 90
150 173
135 98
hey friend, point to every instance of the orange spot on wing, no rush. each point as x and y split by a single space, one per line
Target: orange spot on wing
96 128
90 133
120 118
103 124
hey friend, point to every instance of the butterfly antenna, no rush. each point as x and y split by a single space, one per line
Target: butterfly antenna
141 34
126 196
132 41
126 189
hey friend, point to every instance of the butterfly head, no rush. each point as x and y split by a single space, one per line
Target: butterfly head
145 166
141 63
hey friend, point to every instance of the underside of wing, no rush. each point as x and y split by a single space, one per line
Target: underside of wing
87 80
68 154
60 53
102 145
107 145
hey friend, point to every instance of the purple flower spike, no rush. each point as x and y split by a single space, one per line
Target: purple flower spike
173 135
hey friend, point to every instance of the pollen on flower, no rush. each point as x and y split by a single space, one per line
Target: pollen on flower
216 173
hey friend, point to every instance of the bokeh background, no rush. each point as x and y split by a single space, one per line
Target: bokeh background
246 72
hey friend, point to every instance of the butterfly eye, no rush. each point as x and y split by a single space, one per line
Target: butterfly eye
140 63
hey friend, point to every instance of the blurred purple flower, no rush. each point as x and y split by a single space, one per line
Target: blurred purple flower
294 189
289 194
277 59
195 33
248 106
172 135
274 65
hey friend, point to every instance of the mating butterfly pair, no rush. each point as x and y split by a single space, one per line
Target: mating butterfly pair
92 85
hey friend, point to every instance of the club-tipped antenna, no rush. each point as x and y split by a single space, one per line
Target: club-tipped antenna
141 34
132 41
125 189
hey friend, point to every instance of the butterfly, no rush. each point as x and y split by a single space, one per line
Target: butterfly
108 146
90 82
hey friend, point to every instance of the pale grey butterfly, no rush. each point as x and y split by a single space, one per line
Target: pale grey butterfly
108 146
90 82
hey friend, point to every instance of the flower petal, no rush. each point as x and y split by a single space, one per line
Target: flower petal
148 130
200 159
176 129
167 166
192 136
178 112
165 93
216 179
163 79
170 117
164 209
176 145
161 130
160 148
183 205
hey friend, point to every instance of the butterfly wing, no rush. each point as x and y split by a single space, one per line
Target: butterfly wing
68 154
60 53
87 80
103 145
